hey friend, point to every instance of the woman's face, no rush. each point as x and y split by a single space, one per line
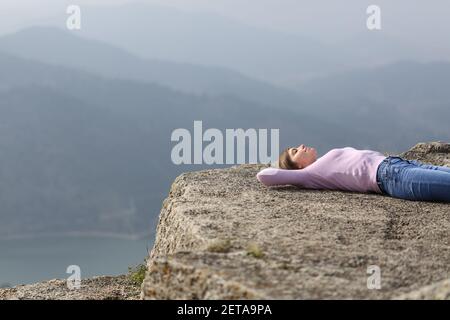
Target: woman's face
302 156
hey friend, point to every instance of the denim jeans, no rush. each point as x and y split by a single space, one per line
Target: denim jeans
413 180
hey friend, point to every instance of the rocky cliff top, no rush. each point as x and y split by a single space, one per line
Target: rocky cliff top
96 288
222 234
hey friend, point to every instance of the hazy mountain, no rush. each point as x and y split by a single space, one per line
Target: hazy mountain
83 153
375 48
401 81
161 32
59 47
411 97
209 39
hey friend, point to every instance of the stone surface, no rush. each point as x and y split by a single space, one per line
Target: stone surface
97 288
436 291
222 234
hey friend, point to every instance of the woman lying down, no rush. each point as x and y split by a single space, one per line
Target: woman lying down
366 171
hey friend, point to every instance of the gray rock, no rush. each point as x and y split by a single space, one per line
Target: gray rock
436 291
96 288
223 235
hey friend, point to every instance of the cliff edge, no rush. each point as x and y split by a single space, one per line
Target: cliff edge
223 235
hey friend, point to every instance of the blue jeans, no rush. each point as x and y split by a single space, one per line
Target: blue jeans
413 180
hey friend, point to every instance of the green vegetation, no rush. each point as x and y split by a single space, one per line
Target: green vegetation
254 250
136 274
220 246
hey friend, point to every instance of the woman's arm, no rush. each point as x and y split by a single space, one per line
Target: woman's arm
274 176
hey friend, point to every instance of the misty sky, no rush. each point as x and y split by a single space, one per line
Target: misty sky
327 20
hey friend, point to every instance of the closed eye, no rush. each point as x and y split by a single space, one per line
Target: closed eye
293 152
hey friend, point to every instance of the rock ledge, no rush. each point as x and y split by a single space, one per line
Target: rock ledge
222 235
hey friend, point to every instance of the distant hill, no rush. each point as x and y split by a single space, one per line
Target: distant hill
400 81
410 97
81 152
163 32
59 47
373 48
209 39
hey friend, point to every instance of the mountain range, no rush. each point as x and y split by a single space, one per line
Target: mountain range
85 125
209 39
83 152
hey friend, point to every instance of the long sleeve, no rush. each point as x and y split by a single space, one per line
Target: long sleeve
339 169
273 176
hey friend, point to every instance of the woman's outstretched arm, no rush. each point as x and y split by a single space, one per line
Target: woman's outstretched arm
274 176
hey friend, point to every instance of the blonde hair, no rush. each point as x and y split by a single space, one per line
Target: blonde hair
285 162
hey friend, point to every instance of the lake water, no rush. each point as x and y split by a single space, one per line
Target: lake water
33 260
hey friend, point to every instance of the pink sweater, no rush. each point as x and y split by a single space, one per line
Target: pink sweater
339 169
